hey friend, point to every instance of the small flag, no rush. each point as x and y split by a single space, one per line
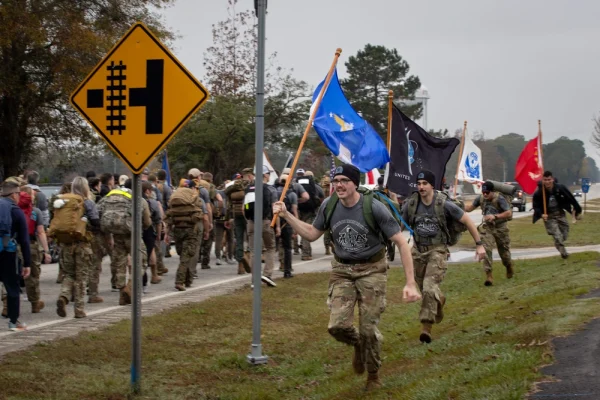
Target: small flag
470 169
165 166
344 132
528 170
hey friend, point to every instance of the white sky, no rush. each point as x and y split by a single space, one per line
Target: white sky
499 64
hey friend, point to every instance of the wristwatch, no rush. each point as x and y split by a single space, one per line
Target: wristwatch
479 243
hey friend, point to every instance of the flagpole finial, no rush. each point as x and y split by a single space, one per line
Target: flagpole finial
465 124
338 51
391 94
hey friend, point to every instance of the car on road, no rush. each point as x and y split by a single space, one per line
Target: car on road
50 189
578 193
519 198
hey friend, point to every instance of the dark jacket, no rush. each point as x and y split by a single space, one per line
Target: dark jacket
104 190
20 231
566 200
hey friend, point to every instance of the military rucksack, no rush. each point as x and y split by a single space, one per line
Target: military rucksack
116 212
308 183
185 208
451 229
496 205
267 210
68 224
368 196
236 191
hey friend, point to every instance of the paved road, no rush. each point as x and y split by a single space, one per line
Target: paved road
215 281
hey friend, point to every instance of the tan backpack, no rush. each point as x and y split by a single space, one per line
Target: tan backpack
68 224
185 208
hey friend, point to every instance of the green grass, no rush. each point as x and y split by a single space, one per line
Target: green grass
490 345
524 234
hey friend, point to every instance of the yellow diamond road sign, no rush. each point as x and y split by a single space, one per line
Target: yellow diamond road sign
138 97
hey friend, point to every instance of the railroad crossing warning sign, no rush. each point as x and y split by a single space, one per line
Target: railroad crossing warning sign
138 97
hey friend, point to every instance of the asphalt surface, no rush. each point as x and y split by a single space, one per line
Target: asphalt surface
223 279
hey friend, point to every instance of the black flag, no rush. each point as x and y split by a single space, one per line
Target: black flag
412 150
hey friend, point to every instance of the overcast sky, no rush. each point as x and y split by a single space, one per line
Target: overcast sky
499 64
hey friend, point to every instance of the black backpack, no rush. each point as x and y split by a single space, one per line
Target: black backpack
308 183
249 202
286 199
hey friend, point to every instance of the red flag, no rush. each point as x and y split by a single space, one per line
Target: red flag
528 170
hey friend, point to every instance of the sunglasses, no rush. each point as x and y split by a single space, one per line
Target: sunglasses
485 192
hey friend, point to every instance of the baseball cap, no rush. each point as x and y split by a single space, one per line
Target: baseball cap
235 176
248 171
266 170
286 171
195 172
123 179
146 171
300 171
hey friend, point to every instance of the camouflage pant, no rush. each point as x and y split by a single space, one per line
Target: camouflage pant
239 227
493 236
160 265
365 284
307 217
205 249
430 268
557 226
221 232
187 243
327 241
99 249
32 283
120 258
77 259
268 240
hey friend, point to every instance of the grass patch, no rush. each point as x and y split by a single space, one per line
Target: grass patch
524 234
489 346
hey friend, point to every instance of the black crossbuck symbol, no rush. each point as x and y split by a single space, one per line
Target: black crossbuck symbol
150 97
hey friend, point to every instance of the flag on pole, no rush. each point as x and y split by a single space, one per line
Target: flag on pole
412 150
165 166
470 169
371 178
344 132
528 170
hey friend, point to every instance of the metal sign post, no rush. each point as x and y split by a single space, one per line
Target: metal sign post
256 357
136 272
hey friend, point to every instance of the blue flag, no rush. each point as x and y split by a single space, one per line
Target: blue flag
165 166
344 132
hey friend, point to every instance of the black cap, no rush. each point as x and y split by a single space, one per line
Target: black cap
487 186
350 171
428 176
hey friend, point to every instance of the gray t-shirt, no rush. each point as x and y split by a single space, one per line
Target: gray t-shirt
154 211
553 204
351 236
204 196
490 209
298 189
91 211
426 223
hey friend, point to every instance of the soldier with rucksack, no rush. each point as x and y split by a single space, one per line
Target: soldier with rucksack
216 205
74 215
496 210
436 221
188 217
236 192
308 209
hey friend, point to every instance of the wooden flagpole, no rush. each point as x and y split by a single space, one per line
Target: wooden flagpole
462 146
308 126
389 124
541 163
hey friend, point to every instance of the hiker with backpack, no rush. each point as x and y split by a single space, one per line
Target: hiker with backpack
13 231
75 215
235 220
359 267
38 246
496 210
437 222
268 234
187 216
308 209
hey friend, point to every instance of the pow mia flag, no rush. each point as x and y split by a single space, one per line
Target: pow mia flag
412 150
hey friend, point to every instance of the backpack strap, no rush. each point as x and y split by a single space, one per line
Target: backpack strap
413 204
398 216
440 212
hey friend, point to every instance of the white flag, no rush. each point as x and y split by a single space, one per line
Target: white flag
469 169
273 178
371 178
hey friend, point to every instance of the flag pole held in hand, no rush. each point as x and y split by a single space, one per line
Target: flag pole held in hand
308 126
460 154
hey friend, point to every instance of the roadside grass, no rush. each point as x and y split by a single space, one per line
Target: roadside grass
524 234
490 345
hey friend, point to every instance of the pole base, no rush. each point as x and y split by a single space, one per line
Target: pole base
256 357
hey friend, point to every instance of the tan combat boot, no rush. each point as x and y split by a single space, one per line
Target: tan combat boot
489 280
327 251
95 299
125 296
61 305
163 271
426 332
37 306
80 314
241 269
246 262
373 381
509 271
155 278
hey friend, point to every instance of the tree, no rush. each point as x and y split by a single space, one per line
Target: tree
373 72
219 137
564 157
46 48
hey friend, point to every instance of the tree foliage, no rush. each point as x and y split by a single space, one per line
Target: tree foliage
46 48
372 73
595 140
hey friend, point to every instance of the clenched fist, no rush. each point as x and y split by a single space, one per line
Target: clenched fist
279 208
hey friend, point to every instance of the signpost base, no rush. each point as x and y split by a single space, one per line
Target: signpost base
256 357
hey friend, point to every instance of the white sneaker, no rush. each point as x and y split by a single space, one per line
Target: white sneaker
268 281
17 327
219 262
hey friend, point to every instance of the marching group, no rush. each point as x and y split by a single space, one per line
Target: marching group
91 218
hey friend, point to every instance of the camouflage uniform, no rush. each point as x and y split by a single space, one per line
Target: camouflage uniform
493 235
430 263
187 242
77 259
206 245
557 226
32 283
309 218
99 249
365 284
